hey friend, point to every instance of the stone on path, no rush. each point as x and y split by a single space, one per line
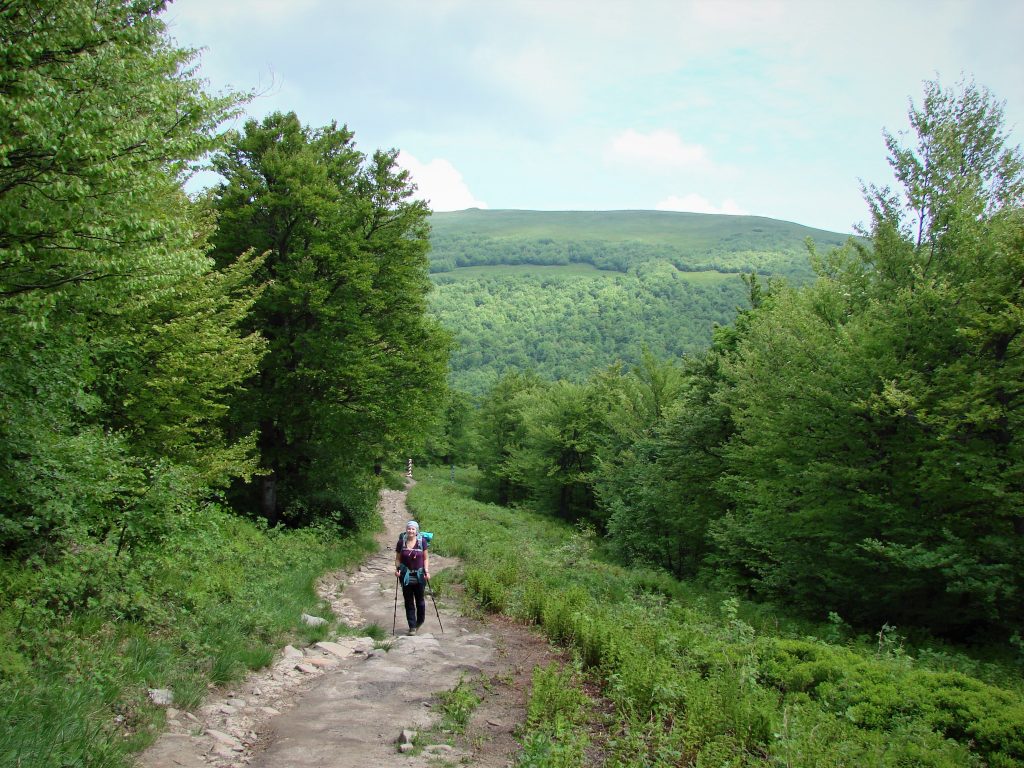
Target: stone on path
162 697
223 738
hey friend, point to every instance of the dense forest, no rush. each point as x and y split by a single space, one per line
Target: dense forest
566 326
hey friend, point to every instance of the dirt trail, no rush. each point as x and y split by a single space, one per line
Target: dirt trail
345 704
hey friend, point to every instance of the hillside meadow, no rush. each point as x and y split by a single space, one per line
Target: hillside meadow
676 674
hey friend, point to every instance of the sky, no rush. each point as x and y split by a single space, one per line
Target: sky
761 107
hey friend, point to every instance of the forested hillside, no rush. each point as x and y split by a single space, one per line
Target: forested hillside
566 325
566 293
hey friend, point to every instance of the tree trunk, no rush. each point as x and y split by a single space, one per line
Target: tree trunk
271 443
268 498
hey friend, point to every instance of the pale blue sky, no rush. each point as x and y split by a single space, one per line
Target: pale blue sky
765 107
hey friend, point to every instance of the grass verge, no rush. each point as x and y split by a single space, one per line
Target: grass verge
694 684
84 636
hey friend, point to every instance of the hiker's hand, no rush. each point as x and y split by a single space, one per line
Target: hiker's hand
398 573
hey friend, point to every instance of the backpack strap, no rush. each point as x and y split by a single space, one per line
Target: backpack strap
418 545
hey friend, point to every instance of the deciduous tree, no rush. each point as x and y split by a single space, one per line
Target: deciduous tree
355 370
117 341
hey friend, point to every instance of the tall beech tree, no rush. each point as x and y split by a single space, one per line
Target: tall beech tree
118 343
355 371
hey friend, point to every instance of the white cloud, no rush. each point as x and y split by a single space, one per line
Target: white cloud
439 183
661 150
694 203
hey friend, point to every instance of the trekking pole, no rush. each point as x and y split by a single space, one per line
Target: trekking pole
431 591
394 619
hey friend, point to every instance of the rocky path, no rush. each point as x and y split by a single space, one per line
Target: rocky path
345 703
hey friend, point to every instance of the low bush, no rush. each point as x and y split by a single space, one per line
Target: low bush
558 713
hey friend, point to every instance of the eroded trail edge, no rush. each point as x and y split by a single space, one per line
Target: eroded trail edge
345 702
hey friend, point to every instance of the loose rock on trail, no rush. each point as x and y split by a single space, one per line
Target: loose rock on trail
346 703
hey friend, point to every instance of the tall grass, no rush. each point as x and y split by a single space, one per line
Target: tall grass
84 637
693 683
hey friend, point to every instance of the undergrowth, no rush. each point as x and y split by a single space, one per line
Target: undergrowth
457 706
83 636
691 679
558 712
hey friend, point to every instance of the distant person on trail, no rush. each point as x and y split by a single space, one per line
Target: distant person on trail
412 568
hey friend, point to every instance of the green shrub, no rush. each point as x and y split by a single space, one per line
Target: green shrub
457 706
557 713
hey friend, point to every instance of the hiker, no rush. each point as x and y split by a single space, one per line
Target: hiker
412 568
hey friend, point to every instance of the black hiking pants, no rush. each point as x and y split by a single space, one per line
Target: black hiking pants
415 604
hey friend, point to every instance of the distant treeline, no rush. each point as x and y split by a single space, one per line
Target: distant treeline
734 254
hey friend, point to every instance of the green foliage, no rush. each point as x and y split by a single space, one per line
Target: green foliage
568 327
453 439
119 344
557 716
86 635
500 431
555 454
695 686
457 706
656 477
354 370
875 467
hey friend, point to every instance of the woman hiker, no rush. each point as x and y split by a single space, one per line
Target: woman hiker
412 567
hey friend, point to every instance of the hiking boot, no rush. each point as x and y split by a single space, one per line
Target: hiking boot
412 630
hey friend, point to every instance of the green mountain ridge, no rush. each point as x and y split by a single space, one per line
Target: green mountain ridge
620 240
564 293
654 226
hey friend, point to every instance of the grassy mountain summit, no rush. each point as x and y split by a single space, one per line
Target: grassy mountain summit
684 229
618 240
567 292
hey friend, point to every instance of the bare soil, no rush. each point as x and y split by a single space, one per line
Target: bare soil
345 704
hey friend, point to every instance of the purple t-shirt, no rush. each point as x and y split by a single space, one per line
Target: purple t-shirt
412 558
